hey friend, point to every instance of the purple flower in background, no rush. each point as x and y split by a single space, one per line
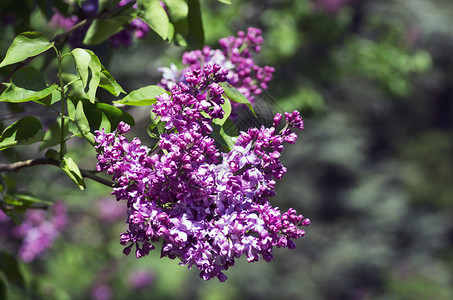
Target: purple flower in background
102 292
110 212
205 206
141 279
38 231
236 55
329 6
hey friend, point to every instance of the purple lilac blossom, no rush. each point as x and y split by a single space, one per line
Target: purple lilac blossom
140 279
207 207
329 6
38 232
102 292
110 212
235 54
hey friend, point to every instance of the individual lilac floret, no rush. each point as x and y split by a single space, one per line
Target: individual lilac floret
206 207
235 54
39 232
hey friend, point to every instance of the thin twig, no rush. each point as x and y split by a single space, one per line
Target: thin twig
90 175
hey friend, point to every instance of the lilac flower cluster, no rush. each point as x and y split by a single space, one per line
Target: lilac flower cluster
236 55
207 207
37 232
136 28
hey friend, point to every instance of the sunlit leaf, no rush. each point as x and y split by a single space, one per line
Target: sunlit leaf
143 96
25 45
177 9
72 170
82 123
236 96
226 106
89 68
152 12
225 135
109 83
23 132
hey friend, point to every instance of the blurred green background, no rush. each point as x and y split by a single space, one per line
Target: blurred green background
373 169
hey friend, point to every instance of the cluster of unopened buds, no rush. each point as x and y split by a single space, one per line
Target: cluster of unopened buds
207 207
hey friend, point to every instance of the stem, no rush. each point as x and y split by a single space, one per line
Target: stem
63 104
90 175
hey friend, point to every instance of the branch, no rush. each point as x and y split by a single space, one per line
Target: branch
28 163
15 167
90 175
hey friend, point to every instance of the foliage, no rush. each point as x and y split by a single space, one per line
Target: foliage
372 80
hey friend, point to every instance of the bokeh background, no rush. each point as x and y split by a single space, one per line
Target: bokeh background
373 169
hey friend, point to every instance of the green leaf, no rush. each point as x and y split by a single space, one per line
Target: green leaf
156 130
82 123
53 135
90 117
225 1
72 170
23 132
3 286
27 84
20 202
143 96
89 68
177 9
9 265
109 83
195 35
101 29
226 106
106 4
225 134
25 45
105 123
236 96
152 12
114 115
30 199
